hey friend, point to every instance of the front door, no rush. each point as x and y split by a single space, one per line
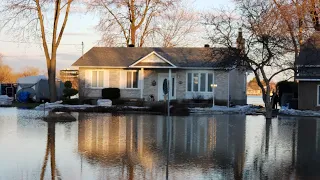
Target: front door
162 78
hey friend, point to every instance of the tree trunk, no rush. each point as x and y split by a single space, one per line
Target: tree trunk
268 111
133 36
52 139
52 79
268 104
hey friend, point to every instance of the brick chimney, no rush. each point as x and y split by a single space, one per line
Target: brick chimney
240 42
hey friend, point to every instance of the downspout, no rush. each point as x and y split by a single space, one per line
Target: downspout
169 91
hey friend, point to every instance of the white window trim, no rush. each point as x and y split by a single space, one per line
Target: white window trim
199 81
124 80
318 104
105 78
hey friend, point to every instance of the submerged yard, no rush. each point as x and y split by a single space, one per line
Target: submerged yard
137 146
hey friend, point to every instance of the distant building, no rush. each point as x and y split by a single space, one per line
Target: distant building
70 75
253 92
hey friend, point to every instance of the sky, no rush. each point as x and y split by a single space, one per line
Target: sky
80 28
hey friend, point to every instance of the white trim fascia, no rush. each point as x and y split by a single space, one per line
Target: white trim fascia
206 68
307 79
152 53
154 67
102 67
308 65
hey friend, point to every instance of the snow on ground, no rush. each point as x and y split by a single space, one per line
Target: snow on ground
51 106
58 104
248 109
5 100
293 112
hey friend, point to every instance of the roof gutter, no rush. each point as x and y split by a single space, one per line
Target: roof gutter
307 79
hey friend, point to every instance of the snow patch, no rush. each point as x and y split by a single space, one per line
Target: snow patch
104 102
248 109
58 104
293 112
5 100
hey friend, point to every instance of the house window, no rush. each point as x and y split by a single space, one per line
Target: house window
203 82
195 82
199 82
210 82
97 79
132 79
189 82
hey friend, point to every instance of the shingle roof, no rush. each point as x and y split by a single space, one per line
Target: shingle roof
180 57
310 51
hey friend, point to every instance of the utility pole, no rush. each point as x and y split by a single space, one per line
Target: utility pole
82 49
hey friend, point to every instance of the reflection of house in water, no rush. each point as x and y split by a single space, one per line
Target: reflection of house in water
284 148
139 143
308 152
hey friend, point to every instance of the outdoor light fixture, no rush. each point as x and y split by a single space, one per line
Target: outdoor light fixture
153 83
213 86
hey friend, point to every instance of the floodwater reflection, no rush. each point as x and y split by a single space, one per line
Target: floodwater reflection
103 146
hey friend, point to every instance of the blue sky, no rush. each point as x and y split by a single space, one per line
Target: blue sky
80 28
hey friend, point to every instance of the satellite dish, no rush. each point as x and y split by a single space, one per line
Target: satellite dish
165 86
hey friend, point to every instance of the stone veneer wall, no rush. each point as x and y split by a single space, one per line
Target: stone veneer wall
149 76
238 90
181 84
221 91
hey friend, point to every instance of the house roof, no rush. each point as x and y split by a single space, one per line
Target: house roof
310 51
179 57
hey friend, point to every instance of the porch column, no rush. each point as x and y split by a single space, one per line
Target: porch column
213 90
169 91
228 88
141 82
169 85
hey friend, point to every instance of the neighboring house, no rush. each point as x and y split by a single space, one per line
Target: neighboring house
142 72
308 75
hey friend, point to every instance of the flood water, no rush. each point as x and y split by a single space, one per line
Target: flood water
105 146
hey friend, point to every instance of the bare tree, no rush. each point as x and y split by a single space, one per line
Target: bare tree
131 18
25 17
265 49
29 71
300 18
5 72
176 27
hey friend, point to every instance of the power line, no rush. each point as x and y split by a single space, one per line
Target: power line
24 42
74 53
